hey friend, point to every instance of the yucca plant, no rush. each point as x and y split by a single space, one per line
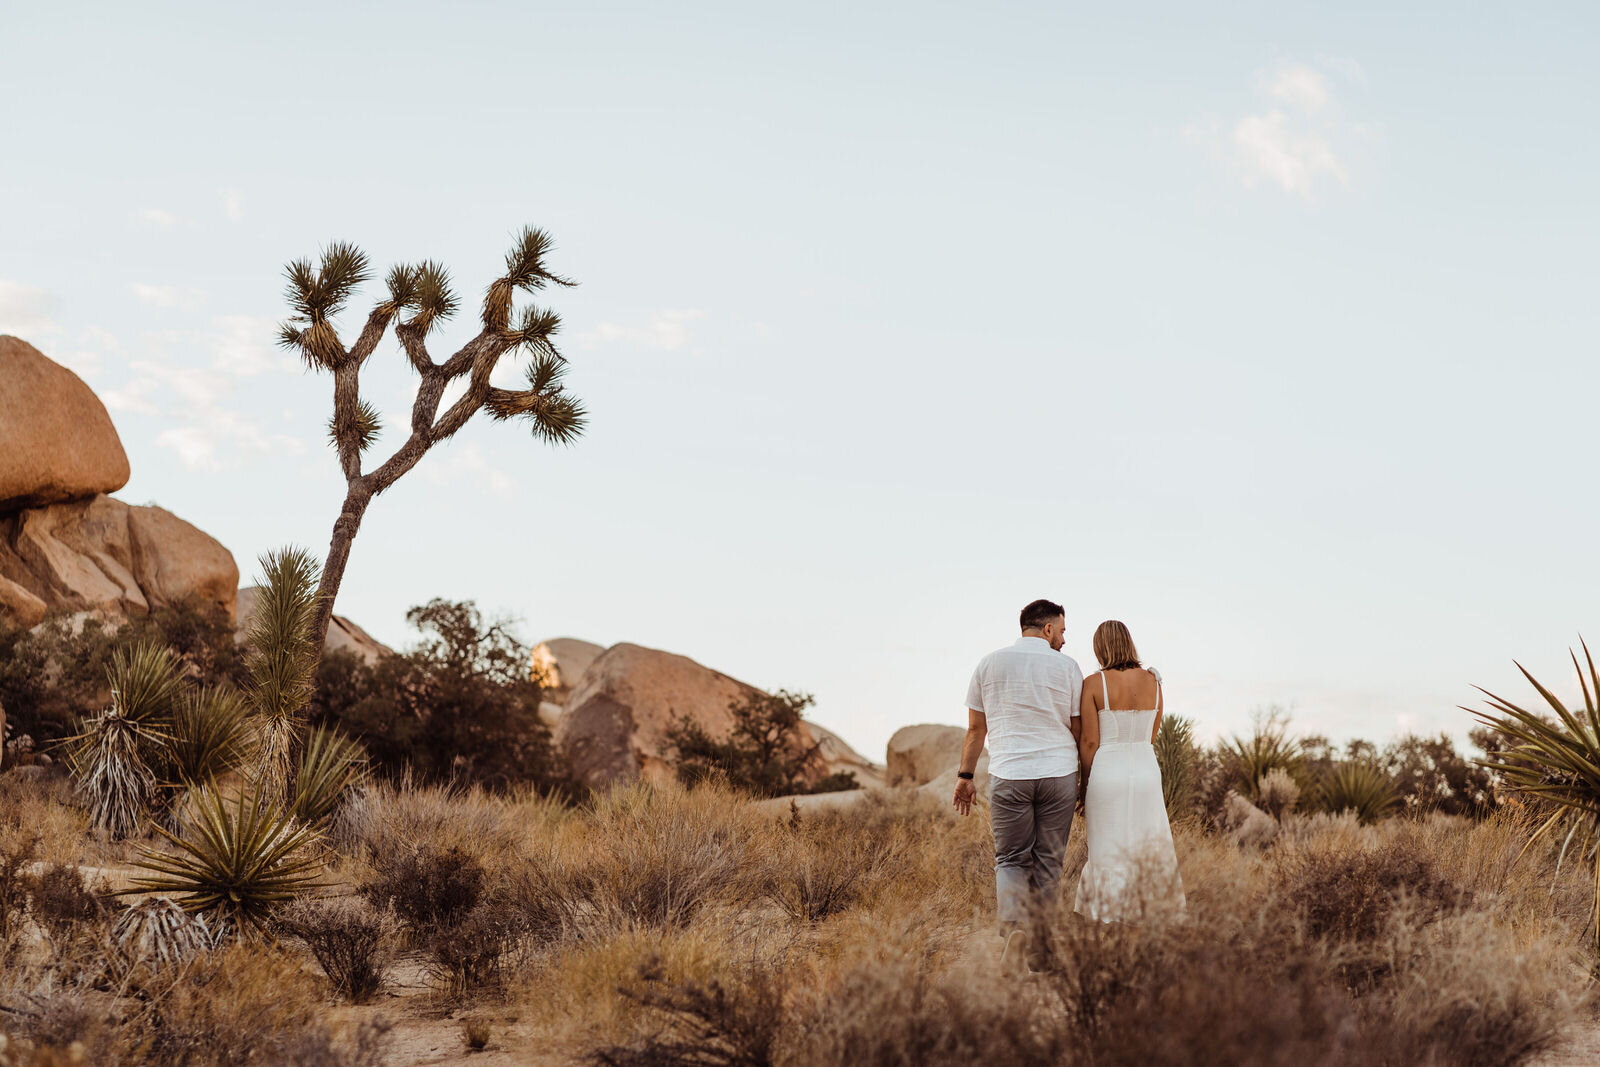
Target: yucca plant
236 862
1358 786
158 933
211 734
282 660
330 765
1269 748
1555 762
1175 752
111 756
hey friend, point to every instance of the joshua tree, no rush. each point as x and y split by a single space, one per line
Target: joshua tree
423 292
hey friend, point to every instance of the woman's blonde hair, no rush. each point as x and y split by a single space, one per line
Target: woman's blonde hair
1113 646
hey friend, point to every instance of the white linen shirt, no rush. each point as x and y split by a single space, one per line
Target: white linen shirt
1028 693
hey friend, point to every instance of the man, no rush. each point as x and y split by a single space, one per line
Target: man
1024 700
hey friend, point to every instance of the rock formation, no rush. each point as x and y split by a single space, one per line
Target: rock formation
343 635
614 725
99 554
56 440
561 662
66 547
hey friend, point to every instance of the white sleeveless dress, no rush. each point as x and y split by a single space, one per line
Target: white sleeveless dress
1132 868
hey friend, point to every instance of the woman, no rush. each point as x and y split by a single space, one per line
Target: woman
1132 868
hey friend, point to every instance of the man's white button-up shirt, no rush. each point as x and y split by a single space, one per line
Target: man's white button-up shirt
1028 694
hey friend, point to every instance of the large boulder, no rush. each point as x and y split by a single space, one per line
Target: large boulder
343 635
561 662
101 555
919 754
614 727
56 439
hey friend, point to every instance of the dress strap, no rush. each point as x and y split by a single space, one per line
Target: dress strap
1105 694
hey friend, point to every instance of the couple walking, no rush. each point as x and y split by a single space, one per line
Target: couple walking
1059 742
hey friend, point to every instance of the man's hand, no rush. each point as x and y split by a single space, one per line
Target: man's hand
966 793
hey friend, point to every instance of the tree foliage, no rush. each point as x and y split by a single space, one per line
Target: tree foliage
462 704
763 753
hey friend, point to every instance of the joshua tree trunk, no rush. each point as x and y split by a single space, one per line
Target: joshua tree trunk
424 290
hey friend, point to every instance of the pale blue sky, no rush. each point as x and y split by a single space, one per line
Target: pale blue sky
1267 328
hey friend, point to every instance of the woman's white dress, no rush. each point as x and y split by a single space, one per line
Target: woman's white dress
1133 869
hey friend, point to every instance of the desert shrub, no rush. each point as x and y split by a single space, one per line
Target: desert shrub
367 1047
1268 748
461 705
15 856
1359 786
763 754
1431 776
1349 896
246 1003
711 1023
428 887
1177 755
352 942
1278 793
55 673
896 1014
662 855
65 1026
384 818
476 1031
824 865
61 902
1246 824
469 953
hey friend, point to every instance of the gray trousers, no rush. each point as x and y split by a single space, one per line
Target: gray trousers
1031 819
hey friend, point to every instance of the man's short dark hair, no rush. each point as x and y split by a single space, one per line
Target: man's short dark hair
1035 615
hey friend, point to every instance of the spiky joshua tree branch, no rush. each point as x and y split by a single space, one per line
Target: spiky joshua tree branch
419 299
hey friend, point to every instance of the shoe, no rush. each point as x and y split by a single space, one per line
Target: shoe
1014 960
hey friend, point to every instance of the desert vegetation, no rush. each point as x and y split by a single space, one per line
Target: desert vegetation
169 892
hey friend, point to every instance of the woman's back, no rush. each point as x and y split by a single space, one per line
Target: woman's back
1128 703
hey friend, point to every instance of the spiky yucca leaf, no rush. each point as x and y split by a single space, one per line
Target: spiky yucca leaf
211 734
237 862
158 933
366 422
147 681
1175 755
283 658
330 765
111 756
433 297
1358 786
1555 762
1267 749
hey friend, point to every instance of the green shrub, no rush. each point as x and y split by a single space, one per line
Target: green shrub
763 754
461 706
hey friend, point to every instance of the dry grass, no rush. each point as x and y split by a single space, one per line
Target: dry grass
659 926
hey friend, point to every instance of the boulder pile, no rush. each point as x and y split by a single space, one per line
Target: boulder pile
65 546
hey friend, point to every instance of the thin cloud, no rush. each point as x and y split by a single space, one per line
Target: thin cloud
232 204
27 311
1297 143
665 331
168 296
156 217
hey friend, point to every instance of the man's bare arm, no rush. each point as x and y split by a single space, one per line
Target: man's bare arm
971 749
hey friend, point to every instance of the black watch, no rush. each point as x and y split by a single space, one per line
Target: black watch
964 774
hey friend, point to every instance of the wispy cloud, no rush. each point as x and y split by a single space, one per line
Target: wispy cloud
232 204
465 460
27 311
665 330
155 216
1297 142
169 296
207 434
